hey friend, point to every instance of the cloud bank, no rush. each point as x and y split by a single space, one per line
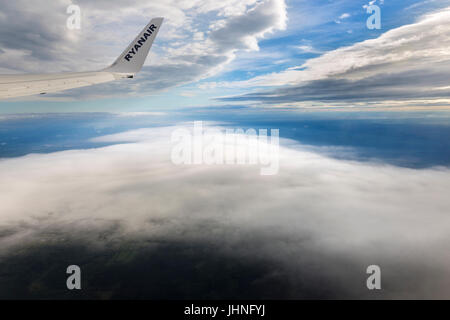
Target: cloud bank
308 232
411 62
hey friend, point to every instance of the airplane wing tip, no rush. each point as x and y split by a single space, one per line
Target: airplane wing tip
133 58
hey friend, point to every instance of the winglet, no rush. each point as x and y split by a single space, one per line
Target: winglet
133 58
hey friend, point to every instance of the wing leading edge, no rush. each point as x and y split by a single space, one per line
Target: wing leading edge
127 65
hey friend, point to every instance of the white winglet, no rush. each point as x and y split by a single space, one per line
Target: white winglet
133 58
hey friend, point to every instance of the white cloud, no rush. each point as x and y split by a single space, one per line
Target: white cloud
407 62
342 17
308 49
198 36
393 49
373 213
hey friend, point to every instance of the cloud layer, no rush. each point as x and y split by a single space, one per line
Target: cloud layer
411 62
315 226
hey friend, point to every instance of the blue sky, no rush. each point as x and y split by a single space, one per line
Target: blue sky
208 51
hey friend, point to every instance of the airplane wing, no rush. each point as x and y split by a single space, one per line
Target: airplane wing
127 65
